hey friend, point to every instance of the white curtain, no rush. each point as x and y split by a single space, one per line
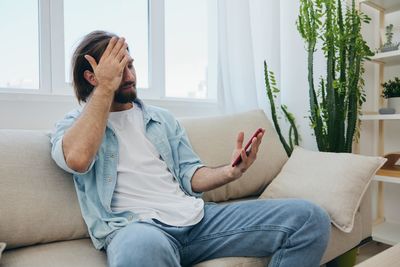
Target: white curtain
248 34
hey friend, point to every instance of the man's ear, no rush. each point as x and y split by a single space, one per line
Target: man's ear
90 77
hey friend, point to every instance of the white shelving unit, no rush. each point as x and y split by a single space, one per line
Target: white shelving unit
383 5
384 231
377 117
388 58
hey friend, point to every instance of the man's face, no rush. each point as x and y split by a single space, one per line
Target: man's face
126 92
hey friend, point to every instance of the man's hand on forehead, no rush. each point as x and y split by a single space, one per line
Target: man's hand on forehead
108 71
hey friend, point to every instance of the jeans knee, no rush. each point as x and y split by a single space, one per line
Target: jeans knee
320 222
144 247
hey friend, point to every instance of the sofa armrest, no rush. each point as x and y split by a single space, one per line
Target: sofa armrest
365 210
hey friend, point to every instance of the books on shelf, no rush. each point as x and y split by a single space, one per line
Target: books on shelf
392 166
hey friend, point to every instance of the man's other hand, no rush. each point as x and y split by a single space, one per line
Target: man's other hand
247 158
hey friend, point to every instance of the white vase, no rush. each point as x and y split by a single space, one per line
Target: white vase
394 102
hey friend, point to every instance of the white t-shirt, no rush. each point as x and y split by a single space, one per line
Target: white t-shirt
144 183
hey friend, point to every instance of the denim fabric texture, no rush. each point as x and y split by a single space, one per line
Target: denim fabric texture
293 232
95 187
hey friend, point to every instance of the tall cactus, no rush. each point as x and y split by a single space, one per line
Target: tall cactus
336 105
272 90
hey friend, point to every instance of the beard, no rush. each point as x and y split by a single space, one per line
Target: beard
123 96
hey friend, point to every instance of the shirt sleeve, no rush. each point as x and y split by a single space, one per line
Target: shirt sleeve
189 161
56 139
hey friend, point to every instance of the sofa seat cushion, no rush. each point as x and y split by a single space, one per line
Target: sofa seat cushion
81 253
235 262
77 253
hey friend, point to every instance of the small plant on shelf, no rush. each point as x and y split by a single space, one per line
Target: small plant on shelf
391 88
389 45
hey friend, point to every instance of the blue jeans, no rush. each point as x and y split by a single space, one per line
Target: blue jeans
293 232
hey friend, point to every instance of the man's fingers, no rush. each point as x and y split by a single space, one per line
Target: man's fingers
124 61
91 61
256 144
117 46
239 140
122 52
110 46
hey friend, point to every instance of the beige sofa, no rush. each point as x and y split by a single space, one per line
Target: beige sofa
40 219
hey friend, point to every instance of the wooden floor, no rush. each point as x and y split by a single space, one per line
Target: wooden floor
370 249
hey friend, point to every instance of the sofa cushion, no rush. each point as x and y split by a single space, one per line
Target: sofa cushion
38 199
77 253
235 262
335 181
214 139
81 253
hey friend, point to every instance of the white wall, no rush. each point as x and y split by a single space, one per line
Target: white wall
294 84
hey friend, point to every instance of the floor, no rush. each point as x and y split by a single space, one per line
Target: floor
370 249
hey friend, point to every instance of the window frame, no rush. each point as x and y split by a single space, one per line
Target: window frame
52 64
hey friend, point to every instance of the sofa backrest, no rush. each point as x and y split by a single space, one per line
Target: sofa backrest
214 139
38 199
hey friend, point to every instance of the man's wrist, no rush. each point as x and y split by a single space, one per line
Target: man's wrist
229 173
103 91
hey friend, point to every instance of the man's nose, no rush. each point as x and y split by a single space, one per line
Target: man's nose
129 76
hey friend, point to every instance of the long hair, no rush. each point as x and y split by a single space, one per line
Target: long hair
93 44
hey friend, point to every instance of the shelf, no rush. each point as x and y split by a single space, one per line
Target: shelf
387 179
383 5
390 58
386 232
377 117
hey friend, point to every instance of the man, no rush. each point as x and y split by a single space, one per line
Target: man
138 180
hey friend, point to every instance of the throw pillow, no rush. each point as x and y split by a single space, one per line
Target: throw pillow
334 181
2 247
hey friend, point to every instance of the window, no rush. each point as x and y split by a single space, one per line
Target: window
186 48
19 64
128 18
172 42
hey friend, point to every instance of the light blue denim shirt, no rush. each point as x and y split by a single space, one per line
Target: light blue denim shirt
95 187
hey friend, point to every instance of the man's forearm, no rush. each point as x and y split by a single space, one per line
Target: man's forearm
82 140
205 179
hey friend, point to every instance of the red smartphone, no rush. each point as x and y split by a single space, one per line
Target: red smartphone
246 148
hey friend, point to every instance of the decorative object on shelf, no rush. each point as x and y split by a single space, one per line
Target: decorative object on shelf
335 108
389 45
391 91
391 166
387 111
272 90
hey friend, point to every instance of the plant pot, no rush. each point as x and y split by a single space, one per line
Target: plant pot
348 259
394 102
390 47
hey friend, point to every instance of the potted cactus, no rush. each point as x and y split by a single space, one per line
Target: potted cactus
335 105
391 91
336 102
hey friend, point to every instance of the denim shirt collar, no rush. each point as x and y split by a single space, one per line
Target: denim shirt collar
148 115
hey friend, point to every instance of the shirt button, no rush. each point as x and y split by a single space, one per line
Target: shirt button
109 179
112 155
